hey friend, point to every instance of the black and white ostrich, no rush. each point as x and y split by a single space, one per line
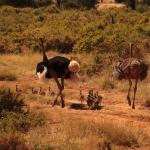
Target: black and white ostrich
131 68
57 67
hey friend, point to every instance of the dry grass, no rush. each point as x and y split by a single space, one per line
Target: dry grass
70 128
70 132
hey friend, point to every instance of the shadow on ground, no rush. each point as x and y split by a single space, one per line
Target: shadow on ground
83 107
78 106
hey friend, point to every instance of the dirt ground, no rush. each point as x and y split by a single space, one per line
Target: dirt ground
114 105
103 6
106 4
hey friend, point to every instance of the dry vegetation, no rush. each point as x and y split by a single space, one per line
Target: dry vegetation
96 42
114 126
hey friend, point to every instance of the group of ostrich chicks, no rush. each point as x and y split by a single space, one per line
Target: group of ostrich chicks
64 68
93 99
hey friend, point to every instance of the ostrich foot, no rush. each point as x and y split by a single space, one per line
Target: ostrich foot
133 107
129 101
55 102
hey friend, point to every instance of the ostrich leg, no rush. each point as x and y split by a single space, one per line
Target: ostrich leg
61 96
55 101
135 89
62 100
128 96
60 87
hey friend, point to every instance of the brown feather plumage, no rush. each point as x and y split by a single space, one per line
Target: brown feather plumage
131 68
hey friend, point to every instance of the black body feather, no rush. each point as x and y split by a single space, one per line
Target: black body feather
57 63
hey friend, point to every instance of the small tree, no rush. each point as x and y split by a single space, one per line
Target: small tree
58 3
145 2
19 3
88 3
119 1
132 3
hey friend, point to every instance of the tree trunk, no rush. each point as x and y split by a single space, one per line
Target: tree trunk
132 4
58 3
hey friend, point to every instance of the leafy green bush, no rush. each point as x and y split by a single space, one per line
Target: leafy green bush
71 5
22 122
22 3
52 10
11 101
143 8
76 31
14 113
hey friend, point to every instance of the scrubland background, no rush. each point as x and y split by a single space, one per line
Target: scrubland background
97 39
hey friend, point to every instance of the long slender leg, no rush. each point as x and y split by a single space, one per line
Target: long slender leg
54 75
128 96
59 93
135 89
61 96
55 101
62 101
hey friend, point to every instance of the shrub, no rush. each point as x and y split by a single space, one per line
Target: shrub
71 5
143 8
22 122
14 113
11 141
10 101
52 10
23 3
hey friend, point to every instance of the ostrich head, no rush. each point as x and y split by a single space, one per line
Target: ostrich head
73 66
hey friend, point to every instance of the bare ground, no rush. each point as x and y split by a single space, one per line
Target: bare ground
104 6
114 106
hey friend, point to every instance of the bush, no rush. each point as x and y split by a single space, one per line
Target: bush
12 141
10 101
14 113
71 5
22 122
143 8
16 3
88 4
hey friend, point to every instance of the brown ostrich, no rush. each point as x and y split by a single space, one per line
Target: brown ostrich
131 68
57 67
